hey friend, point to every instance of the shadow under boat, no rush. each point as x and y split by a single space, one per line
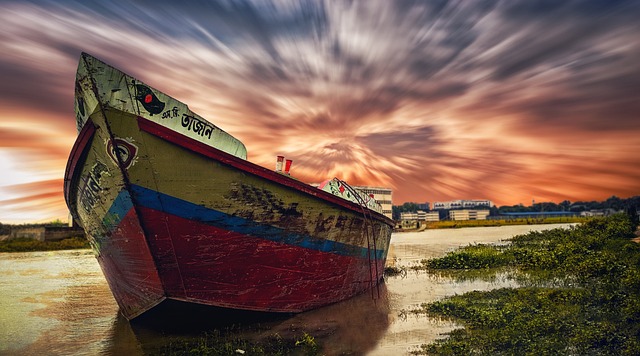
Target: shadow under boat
172 316
355 325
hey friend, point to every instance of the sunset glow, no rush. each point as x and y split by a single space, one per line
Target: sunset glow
502 100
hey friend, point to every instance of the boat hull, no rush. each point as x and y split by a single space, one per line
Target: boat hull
171 217
182 225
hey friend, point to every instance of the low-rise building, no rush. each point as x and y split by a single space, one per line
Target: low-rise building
420 216
468 214
45 233
598 212
410 215
462 204
432 216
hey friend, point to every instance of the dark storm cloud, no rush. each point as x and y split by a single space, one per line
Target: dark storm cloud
588 45
455 29
416 143
596 92
23 86
232 22
548 30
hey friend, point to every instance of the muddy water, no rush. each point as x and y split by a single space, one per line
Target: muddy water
58 303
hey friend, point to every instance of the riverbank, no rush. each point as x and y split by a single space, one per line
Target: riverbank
454 224
31 245
580 294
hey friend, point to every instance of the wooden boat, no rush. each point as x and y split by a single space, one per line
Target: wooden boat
174 211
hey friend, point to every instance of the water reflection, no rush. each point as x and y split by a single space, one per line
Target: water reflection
53 303
353 326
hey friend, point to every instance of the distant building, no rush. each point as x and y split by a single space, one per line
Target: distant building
432 216
461 204
382 195
598 212
468 214
409 215
45 233
420 216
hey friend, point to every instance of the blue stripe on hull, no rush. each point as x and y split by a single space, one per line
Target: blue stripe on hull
119 208
187 210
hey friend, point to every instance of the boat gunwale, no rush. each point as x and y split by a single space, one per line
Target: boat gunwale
75 156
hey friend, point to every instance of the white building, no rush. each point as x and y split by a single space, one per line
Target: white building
468 214
432 216
409 215
382 196
420 216
462 204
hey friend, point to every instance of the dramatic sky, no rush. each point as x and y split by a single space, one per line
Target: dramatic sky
439 100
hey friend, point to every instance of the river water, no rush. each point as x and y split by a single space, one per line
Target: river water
58 303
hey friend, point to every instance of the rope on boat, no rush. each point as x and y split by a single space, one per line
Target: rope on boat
371 237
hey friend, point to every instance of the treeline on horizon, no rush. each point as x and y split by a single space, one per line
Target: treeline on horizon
614 203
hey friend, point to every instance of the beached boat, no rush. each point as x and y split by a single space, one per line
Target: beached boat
174 211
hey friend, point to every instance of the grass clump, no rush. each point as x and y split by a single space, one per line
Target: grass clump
471 257
598 314
218 343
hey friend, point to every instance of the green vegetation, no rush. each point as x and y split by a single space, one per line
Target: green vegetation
613 202
5 229
594 307
449 224
24 244
216 343
27 245
406 207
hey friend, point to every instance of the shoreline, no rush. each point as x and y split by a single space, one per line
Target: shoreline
456 224
32 245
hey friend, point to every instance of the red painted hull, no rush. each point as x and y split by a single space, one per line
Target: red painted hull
208 265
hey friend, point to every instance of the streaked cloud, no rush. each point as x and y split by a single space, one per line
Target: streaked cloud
503 100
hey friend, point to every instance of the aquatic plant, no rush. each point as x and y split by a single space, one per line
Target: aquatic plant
393 271
470 257
597 313
222 342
